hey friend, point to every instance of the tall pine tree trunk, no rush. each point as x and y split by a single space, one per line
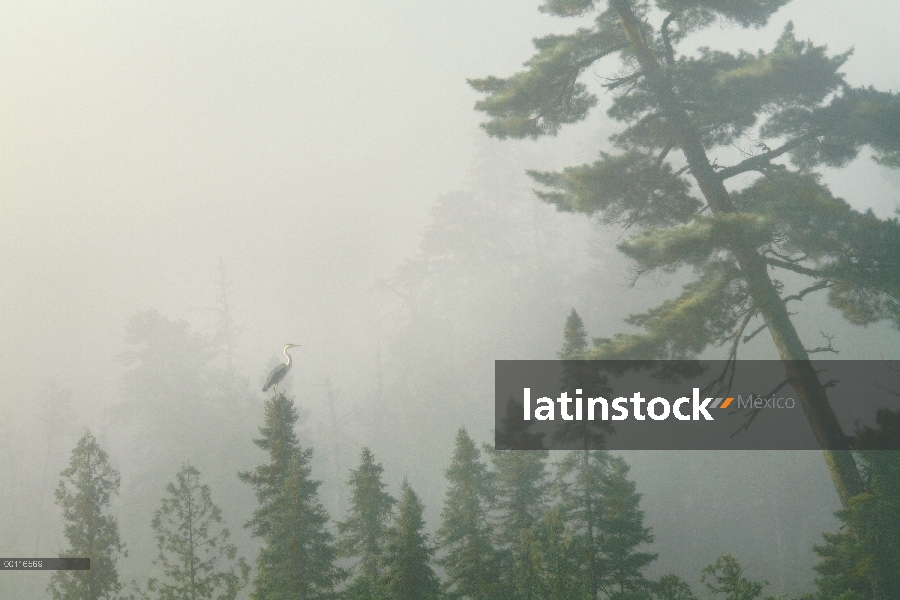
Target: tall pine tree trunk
800 371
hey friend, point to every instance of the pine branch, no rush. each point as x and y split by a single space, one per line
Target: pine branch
586 62
755 412
828 348
670 53
614 83
775 262
754 333
663 154
761 161
813 288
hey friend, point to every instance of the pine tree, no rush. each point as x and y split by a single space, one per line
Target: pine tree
298 554
363 533
600 504
684 110
520 485
84 492
194 552
466 534
408 552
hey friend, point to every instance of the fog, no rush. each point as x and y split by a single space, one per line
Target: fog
309 160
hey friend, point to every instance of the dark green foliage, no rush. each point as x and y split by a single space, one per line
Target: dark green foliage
547 95
631 189
725 576
280 442
521 485
363 533
745 12
567 8
600 505
856 255
553 569
298 558
408 553
84 492
194 552
707 312
298 554
466 535
863 560
854 118
671 587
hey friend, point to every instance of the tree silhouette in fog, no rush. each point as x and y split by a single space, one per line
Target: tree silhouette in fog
470 559
85 489
198 561
408 552
364 530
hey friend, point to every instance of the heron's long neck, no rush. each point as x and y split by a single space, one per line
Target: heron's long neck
288 357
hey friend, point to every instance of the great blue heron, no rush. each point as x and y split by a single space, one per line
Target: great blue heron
280 371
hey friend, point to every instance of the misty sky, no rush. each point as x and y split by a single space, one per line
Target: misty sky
303 142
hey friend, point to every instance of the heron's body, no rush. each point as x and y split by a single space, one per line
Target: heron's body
280 371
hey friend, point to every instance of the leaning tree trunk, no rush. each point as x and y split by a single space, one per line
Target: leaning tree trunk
800 371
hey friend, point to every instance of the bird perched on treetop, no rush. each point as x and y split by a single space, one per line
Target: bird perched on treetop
280 371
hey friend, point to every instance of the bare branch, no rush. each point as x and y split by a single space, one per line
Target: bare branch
821 285
761 161
828 348
755 412
670 54
586 62
754 333
614 83
663 154
775 262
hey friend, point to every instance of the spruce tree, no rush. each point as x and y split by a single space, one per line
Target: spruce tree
600 504
466 535
281 443
554 572
581 379
408 552
84 493
194 552
743 244
521 485
363 533
297 559
574 338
